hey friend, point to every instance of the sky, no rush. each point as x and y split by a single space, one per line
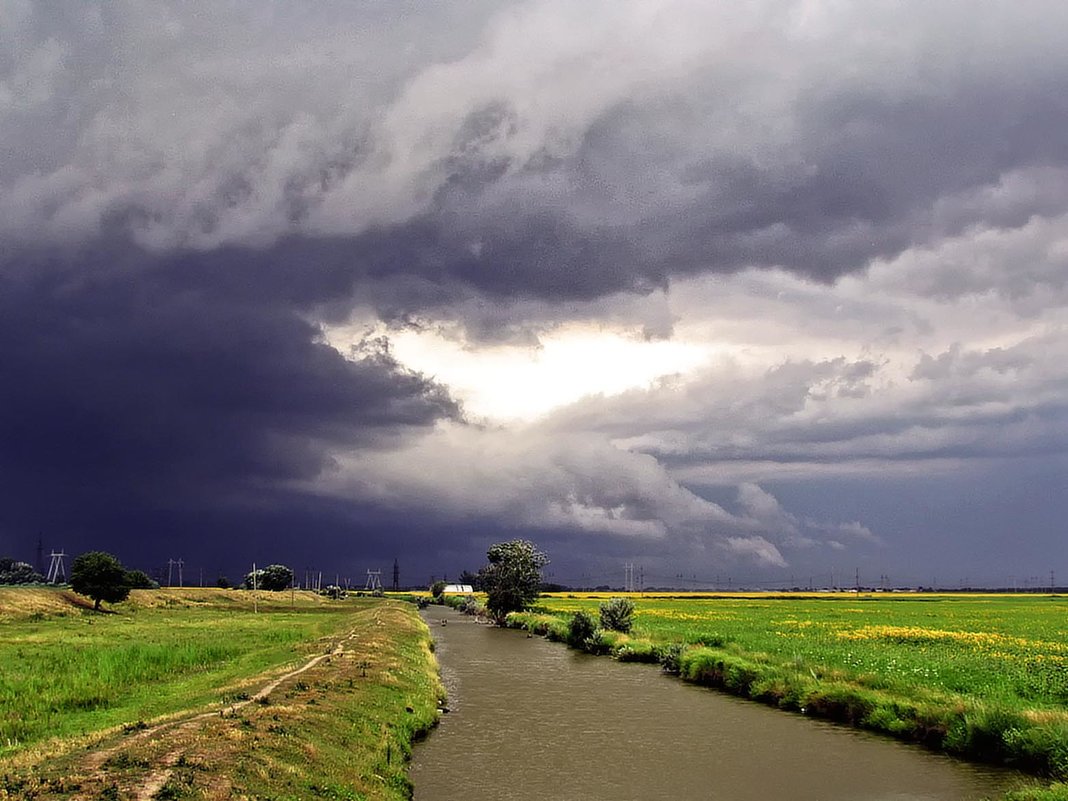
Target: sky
743 294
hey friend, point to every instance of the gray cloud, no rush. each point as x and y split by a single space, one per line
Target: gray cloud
861 211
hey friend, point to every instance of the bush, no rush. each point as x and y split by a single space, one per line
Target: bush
140 580
670 658
470 606
617 615
581 630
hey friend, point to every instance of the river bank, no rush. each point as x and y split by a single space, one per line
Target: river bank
792 654
334 717
532 720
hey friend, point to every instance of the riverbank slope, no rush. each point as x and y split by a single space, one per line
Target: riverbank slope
284 696
981 677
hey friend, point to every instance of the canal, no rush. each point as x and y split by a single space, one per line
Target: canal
532 719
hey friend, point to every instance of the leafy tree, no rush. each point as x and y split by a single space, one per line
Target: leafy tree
14 572
617 614
467 577
140 580
223 583
100 576
512 577
272 577
437 589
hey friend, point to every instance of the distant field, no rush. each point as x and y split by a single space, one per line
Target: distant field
68 671
1006 648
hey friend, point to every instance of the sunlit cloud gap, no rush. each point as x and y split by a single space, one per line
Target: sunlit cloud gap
525 383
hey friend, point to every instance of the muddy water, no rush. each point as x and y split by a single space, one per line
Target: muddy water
532 719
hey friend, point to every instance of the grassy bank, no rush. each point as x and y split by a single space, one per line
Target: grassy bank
69 672
195 660
982 677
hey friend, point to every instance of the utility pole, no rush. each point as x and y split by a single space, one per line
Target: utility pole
255 601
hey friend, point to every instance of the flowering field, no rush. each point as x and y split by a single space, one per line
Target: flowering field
1010 649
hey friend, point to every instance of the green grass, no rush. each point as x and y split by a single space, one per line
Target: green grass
74 674
984 677
342 728
1002 649
348 736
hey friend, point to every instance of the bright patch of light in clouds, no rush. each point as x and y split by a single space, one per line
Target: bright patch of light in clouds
513 382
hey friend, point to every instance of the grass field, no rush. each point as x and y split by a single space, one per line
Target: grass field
1006 649
78 672
74 681
982 676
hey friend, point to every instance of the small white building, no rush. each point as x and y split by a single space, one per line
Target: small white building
459 589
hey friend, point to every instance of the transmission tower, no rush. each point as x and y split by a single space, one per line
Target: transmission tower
56 568
374 580
396 576
628 577
171 564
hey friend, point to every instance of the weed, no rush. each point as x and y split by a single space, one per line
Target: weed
123 761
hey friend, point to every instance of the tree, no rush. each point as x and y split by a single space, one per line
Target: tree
473 579
272 577
100 576
140 580
512 577
13 571
437 589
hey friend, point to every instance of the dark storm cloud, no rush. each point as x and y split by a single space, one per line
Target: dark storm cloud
156 392
187 189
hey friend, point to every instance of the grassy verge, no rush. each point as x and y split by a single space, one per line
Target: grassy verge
341 729
74 672
984 678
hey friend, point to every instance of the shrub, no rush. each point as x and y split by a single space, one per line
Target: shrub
470 606
140 580
617 614
581 629
670 658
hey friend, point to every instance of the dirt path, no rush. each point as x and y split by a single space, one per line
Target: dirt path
180 734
